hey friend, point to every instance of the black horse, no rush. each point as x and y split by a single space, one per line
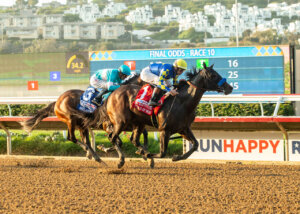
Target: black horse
175 116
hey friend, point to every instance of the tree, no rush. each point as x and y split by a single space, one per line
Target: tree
40 46
20 3
247 33
32 3
72 18
192 35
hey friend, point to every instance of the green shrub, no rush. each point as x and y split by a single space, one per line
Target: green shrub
20 110
244 109
53 144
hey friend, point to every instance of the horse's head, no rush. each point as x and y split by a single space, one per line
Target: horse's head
212 80
134 78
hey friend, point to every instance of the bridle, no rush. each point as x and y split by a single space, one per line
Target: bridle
220 84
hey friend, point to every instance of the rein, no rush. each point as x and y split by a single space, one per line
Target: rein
191 84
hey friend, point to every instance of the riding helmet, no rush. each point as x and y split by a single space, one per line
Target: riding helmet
180 63
125 70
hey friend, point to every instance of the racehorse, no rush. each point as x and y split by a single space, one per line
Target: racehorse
65 108
175 116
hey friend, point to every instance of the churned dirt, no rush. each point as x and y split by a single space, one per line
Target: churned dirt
77 186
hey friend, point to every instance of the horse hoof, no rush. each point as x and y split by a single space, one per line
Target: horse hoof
176 158
121 164
89 155
151 163
140 152
103 149
103 163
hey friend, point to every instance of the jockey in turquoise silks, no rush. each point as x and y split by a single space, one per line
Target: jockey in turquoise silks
108 80
159 74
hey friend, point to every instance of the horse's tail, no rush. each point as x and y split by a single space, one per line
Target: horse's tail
31 123
94 119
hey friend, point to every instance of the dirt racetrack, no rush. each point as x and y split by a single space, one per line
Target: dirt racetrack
81 186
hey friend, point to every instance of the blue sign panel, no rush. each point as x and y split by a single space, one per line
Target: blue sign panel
55 76
250 70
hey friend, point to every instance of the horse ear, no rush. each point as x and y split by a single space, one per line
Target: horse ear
194 69
212 66
204 65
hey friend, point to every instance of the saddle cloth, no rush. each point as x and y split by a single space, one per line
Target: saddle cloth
86 98
142 99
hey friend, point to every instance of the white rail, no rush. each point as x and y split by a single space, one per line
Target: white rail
235 98
28 100
205 98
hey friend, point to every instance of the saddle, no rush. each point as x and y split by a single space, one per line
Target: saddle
142 99
85 103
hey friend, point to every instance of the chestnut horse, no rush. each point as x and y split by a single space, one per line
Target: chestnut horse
175 116
65 108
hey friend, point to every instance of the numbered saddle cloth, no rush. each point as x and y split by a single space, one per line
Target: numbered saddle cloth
86 98
142 99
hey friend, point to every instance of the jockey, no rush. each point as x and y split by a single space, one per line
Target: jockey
108 80
159 74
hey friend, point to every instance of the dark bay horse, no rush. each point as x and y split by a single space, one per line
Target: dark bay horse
65 108
175 116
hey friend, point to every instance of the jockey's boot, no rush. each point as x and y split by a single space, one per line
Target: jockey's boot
98 99
156 95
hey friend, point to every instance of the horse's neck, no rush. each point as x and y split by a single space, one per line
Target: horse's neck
191 97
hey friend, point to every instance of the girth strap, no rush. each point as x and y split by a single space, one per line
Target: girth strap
154 120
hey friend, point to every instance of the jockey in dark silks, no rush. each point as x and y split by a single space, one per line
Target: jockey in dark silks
159 74
108 80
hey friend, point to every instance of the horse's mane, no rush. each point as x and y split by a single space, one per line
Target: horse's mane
191 74
134 79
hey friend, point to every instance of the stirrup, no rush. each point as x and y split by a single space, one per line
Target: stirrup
96 103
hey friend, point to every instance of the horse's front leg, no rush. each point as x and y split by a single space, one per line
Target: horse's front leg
142 150
108 128
188 135
164 141
135 140
102 148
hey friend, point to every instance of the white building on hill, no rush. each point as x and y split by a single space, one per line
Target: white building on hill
88 13
113 9
141 15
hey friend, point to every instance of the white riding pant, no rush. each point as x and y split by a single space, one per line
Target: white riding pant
147 76
99 84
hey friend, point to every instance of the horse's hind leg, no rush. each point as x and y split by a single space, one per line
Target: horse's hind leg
85 136
114 137
71 136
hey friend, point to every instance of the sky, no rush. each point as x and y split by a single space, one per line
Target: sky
12 2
